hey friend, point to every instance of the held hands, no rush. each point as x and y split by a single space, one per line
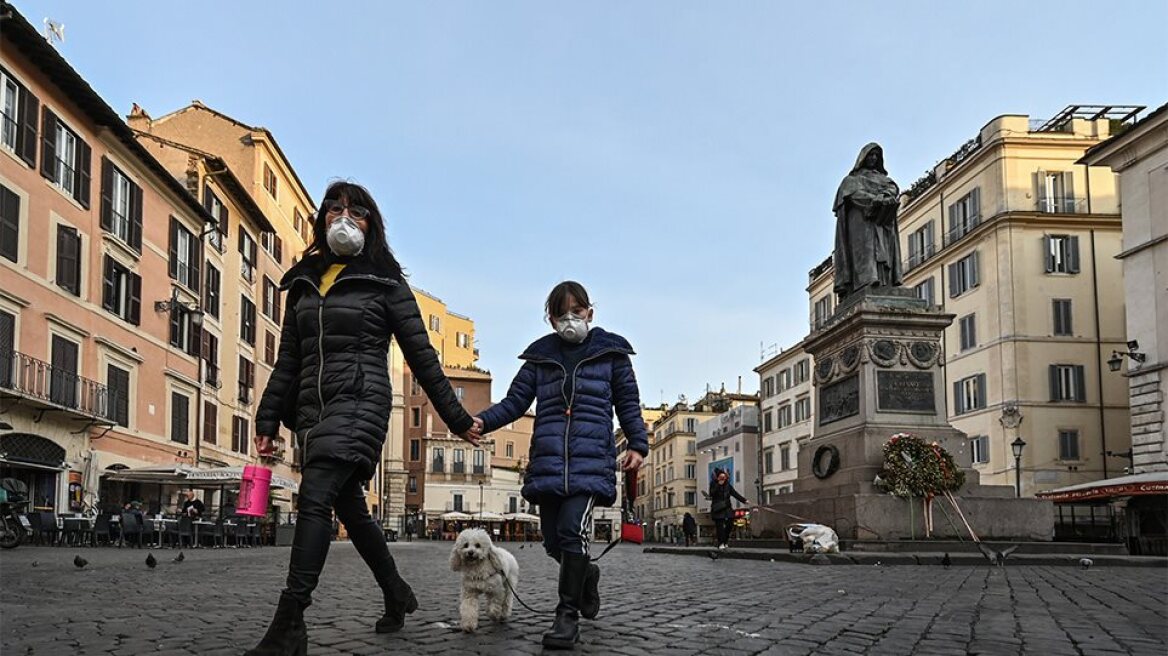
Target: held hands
264 445
475 434
632 461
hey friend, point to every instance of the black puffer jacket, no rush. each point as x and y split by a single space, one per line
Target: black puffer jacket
341 409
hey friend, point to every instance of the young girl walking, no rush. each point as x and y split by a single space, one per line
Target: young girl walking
577 376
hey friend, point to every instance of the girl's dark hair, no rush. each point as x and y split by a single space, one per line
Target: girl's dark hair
559 297
376 247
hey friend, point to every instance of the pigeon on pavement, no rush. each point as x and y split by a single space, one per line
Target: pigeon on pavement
996 557
180 557
1086 563
150 561
80 562
946 561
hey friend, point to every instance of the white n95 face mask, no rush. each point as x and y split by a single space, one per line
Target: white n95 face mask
572 328
345 238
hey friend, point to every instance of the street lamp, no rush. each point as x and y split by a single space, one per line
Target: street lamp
480 501
1017 445
1115 362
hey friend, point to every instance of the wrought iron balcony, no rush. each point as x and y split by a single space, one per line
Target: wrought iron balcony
54 388
459 467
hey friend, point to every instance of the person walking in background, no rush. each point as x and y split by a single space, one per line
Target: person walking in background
331 383
721 495
689 526
577 376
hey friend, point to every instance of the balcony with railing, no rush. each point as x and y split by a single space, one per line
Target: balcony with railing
917 258
52 388
459 467
480 469
1061 205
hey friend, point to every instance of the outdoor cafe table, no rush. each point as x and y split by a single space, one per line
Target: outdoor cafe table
77 525
160 524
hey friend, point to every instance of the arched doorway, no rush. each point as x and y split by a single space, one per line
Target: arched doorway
36 460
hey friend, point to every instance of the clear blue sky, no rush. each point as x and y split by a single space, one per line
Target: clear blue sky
678 158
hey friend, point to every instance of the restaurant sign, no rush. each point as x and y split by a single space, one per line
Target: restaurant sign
1106 491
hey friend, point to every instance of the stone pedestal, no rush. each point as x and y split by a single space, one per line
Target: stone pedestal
878 373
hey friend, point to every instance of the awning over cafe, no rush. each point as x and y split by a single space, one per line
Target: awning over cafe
185 476
1134 485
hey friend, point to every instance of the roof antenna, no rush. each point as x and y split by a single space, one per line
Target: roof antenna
54 31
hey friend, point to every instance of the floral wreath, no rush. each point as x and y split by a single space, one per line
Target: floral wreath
915 468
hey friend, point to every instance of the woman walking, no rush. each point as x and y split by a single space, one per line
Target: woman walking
331 385
577 376
721 507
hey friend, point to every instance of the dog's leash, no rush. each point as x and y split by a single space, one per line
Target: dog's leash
507 582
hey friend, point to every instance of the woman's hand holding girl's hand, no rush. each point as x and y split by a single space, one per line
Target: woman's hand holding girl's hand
475 434
632 461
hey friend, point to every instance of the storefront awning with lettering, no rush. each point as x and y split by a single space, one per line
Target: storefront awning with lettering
1123 486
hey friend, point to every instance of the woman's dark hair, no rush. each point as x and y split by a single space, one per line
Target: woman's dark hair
558 299
376 247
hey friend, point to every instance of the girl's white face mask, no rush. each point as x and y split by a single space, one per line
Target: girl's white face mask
572 328
345 238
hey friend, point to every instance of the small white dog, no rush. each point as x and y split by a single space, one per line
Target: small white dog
483 567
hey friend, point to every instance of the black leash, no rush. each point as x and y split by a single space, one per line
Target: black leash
507 583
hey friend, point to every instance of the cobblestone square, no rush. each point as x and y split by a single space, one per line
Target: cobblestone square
219 601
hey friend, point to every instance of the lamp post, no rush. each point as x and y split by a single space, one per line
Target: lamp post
1017 445
480 501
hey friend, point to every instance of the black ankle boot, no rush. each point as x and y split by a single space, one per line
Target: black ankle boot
565 632
590 599
287 635
399 601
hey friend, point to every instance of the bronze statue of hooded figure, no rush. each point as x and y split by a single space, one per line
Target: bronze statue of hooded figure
867 249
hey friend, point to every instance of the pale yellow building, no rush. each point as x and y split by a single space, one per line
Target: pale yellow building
452 334
1018 240
786 397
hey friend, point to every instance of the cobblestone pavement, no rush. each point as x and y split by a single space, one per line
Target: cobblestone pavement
219 601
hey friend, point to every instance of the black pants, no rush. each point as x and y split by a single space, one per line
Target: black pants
566 523
722 530
690 538
325 487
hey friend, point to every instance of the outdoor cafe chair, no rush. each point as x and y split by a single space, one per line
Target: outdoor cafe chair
182 531
48 526
131 528
101 529
75 530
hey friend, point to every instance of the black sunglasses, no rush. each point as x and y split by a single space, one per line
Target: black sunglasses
355 211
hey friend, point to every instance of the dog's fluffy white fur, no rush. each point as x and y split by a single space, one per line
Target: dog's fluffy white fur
483 567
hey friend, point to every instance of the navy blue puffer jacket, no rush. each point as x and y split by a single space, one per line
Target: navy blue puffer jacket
572 446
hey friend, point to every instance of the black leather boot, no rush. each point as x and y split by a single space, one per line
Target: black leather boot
565 632
287 635
399 601
590 599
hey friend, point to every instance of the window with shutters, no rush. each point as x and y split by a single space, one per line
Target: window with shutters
271 300
925 290
435 323
180 417
784 380
7 348
185 256
509 450
802 409
272 244
415 417
121 206
768 387
920 246
117 381
63 380
413 485
963 275
459 462
271 185
269 348
210 354
210 422
1062 317
1068 441
240 434
784 457
1068 383
247 252
183 332
246 380
964 216
1056 192
18 118
969 394
979 448
121 291
211 291
65 157
438 464
784 416
1062 253
802 371
691 470
298 221
767 423
821 312
215 207
9 224
247 320
69 259
457 502
768 461
967 327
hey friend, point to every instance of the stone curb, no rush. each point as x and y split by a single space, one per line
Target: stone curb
927 559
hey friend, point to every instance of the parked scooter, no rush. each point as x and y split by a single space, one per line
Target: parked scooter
14 525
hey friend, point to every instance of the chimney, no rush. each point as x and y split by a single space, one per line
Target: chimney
139 119
740 384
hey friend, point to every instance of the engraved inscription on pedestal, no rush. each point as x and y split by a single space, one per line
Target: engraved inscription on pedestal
839 400
905 391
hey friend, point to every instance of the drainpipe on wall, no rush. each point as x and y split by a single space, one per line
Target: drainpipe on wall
1098 354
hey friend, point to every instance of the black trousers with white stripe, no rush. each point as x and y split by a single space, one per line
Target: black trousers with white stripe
566 523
